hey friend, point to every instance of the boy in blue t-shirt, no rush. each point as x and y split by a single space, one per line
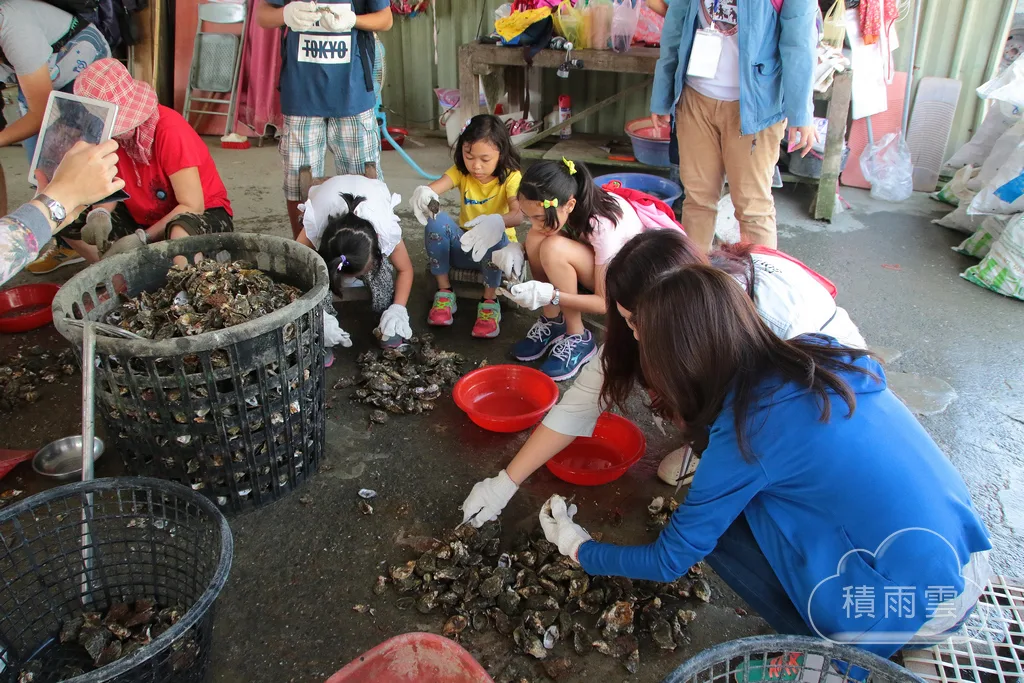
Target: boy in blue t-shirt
329 55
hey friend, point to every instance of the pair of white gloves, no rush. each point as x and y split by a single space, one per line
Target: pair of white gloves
490 496
483 233
303 16
393 323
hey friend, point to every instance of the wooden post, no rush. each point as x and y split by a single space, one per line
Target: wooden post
469 85
838 112
146 65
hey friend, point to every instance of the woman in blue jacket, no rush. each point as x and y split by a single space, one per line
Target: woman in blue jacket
734 72
819 497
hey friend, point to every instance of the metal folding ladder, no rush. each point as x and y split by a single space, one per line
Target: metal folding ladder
216 59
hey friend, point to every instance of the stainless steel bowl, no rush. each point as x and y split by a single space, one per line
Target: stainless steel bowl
62 459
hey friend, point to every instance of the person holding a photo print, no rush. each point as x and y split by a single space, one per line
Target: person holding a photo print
43 48
327 87
85 175
173 184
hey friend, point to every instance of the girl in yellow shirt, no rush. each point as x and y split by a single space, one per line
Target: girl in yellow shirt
487 174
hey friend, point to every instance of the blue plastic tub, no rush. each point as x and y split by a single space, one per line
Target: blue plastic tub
649 146
656 186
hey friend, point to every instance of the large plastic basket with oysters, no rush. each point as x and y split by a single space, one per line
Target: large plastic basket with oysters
110 581
236 413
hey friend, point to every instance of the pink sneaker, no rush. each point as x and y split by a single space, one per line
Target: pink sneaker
488 319
442 313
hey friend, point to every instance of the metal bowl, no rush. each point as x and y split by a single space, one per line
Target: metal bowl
62 459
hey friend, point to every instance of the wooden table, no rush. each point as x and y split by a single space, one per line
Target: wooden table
503 68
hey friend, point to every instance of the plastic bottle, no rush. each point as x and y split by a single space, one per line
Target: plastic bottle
564 112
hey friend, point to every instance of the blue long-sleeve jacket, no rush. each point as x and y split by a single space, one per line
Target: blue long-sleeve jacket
777 59
870 498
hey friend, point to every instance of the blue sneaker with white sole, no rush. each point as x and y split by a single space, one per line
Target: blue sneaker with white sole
570 354
541 337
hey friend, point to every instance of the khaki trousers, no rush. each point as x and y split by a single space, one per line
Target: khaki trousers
710 149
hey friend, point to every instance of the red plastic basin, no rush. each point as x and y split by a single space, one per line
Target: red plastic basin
413 658
617 445
26 307
399 134
505 398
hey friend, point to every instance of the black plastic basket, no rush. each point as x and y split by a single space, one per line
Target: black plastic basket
778 659
149 539
237 414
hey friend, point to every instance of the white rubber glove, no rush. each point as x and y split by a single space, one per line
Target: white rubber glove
533 294
395 322
421 198
484 232
510 259
488 498
556 521
300 16
337 19
333 334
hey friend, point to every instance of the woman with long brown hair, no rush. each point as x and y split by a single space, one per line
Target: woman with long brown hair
791 298
816 483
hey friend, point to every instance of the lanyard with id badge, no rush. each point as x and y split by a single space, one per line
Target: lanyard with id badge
707 49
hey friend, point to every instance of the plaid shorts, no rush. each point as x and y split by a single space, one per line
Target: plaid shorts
353 140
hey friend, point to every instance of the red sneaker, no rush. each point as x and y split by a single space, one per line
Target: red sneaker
442 313
488 319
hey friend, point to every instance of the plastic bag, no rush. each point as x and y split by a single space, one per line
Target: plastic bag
1002 270
975 152
960 220
834 26
598 21
956 190
888 167
648 29
1004 192
1007 87
625 17
980 243
569 24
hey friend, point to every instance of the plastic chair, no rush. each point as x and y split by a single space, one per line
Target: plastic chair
414 658
216 58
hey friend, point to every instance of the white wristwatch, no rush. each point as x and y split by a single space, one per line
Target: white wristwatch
56 209
556 297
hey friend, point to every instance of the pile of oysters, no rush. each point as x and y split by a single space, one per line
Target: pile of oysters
547 606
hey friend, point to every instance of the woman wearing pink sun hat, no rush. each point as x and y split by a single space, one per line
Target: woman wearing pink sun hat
173 185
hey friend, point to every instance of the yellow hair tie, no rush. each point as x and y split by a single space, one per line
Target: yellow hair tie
549 203
571 165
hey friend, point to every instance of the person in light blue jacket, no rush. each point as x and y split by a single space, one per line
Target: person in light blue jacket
819 497
734 72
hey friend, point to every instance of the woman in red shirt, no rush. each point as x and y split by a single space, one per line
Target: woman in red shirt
173 185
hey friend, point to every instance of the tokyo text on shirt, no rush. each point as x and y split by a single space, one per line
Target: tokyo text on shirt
321 72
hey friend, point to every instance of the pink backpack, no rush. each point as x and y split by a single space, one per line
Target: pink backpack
777 4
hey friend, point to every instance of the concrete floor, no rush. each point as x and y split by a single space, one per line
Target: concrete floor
286 613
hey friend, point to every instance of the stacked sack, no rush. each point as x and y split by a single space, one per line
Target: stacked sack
988 189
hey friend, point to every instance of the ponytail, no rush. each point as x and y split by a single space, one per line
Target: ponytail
350 245
553 183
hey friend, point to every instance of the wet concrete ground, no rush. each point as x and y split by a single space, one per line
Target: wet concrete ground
300 565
